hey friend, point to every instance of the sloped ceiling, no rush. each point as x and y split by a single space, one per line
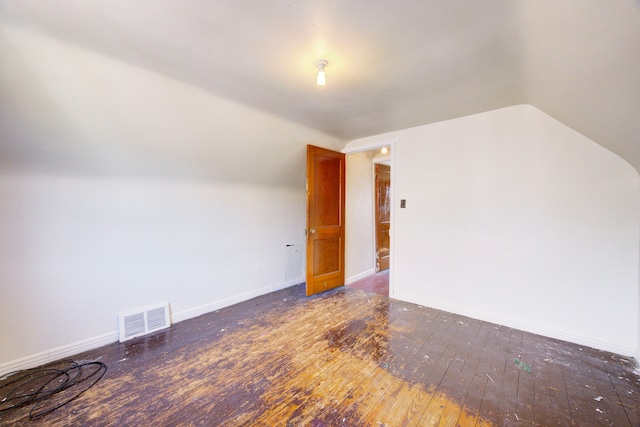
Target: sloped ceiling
392 64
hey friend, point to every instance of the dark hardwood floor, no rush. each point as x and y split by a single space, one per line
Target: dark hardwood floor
348 358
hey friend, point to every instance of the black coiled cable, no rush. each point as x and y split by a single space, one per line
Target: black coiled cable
48 388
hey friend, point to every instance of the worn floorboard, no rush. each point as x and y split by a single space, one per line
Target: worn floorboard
347 357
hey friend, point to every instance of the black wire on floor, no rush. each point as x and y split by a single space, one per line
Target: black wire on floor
49 387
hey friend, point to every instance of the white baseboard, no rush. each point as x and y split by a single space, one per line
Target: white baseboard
217 305
75 348
58 353
532 328
359 276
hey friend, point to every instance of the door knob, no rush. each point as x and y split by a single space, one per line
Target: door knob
312 230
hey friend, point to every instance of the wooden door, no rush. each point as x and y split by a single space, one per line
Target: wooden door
383 215
325 219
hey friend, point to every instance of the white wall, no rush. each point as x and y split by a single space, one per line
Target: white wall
514 218
120 187
76 251
359 238
582 74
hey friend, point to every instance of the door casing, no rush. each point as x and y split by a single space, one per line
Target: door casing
374 145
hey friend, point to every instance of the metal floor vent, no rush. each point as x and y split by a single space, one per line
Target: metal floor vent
144 321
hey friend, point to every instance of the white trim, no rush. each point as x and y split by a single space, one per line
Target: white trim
374 206
534 329
390 142
58 353
359 276
392 236
371 146
69 350
217 305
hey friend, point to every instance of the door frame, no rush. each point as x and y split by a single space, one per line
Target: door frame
373 145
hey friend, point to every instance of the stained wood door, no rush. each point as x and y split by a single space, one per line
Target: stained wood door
383 215
325 219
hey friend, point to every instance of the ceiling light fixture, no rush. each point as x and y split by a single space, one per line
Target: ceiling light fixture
384 150
320 64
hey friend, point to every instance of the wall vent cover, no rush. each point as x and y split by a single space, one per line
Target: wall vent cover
143 321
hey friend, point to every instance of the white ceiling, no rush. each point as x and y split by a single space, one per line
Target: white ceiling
393 64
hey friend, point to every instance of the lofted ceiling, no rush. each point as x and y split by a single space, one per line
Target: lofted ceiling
392 64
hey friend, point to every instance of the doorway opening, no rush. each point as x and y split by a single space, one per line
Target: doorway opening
369 219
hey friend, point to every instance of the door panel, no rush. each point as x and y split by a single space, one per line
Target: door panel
325 219
327 259
327 173
383 215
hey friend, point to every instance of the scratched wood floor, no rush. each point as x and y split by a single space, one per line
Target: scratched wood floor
348 358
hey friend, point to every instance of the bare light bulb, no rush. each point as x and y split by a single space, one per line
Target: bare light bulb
321 79
384 150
